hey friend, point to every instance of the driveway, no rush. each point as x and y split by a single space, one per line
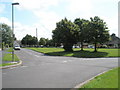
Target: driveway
40 71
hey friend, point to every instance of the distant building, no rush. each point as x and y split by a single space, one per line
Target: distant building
114 42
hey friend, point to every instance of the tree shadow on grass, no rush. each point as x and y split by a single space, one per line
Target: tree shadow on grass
89 54
79 54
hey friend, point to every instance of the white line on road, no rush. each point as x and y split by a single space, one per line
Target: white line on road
64 61
36 55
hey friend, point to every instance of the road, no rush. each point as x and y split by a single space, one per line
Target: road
40 71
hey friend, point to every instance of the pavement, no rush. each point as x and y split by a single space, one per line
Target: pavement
40 71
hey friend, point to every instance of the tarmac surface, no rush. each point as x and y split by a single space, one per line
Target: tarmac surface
41 71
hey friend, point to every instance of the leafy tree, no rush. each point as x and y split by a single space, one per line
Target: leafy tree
23 41
51 43
66 33
29 40
26 40
42 41
98 32
0 38
46 42
6 33
83 25
34 40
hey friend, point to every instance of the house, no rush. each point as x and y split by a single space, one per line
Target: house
114 42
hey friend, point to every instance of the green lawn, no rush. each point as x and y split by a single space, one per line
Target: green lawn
106 80
6 64
8 57
87 53
9 50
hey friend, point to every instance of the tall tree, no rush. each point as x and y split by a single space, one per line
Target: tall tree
29 40
66 32
50 43
98 31
6 34
83 25
42 41
34 40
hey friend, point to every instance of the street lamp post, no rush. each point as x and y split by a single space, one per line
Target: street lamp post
13 29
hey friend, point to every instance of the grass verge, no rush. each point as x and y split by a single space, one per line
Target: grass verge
106 80
8 57
6 64
87 53
9 50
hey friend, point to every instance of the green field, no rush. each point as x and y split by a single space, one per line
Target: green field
87 53
106 80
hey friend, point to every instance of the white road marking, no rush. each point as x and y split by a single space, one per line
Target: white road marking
64 61
36 55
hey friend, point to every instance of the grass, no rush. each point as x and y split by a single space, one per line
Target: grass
87 53
6 64
106 80
9 50
8 57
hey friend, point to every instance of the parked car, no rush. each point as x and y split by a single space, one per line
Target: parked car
76 47
17 48
90 46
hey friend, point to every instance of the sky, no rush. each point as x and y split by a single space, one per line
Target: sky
44 14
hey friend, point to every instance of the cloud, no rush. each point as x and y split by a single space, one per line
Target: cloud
36 4
21 30
48 12
41 9
5 20
48 19
90 8
76 6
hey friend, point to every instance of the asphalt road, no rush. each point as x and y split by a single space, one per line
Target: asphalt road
39 71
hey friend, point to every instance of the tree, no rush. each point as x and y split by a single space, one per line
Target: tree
1 39
6 34
26 40
34 40
42 41
83 25
66 33
29 40
98 32
50 43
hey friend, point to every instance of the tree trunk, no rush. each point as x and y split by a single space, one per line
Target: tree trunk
81 46
68 47
95 47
